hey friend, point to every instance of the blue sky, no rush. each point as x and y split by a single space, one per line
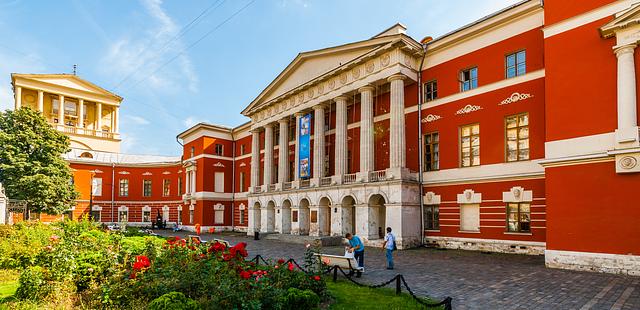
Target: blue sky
169 80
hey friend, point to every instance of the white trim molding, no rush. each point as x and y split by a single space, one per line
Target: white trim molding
588 261
430 198
588 17
469 197
520 169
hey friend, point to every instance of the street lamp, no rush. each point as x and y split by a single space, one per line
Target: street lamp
425 45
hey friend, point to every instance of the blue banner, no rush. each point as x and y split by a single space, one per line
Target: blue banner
304 168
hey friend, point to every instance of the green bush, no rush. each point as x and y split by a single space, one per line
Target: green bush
33 284
300 299
173 301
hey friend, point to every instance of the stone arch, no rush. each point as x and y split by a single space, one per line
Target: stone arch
378 216
304 216
257 214
268 218
324 216
285 214
345 220
377 193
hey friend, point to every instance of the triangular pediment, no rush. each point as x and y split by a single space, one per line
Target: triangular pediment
308 66
67 81
624 19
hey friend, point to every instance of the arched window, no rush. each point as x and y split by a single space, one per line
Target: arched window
86 155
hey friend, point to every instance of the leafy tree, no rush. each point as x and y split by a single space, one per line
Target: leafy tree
31 164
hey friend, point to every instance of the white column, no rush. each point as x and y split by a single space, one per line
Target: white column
268 154
627 110
99 116
341 136
18 97
283 152
296 166
397 151
81 113
116 120
61 110
41 101
255 158
366 129
318 142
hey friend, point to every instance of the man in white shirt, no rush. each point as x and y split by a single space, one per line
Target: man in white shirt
389 246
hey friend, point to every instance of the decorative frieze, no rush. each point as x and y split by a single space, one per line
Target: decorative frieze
468 109
431 118
515 97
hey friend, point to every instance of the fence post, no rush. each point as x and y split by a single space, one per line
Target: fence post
335 273
398 287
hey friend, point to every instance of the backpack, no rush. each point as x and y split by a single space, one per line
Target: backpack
395 247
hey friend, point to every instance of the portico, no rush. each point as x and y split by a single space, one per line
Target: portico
358 199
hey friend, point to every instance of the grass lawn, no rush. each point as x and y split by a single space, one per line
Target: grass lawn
349 296
8 283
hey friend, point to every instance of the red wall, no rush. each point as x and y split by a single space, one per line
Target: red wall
558 10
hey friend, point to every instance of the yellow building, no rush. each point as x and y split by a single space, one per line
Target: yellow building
90 114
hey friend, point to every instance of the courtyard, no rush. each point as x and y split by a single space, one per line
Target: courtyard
476 280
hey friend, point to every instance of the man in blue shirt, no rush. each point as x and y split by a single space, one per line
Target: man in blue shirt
389 246
357 248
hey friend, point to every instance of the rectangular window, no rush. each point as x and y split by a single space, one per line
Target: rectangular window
218 217
432 217
470 217
180 185
242 182
166 187
241 217
146 188
219 149
518 217
123 185
469 79
243 149
219 182
517 134
122 216
292 131
193 151
314 216
95 215
431 151
191 216
516 64
146 216
470 145
294 216
430 91
96 187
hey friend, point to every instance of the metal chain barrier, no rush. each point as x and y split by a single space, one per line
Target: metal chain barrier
399 279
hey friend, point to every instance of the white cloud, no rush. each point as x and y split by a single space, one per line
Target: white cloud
137 120
191 120
12 62
139 54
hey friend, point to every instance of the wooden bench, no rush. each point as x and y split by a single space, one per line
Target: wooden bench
344 262
225 242
196 239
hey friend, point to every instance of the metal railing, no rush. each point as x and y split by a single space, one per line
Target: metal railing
349 178
377 176
325 181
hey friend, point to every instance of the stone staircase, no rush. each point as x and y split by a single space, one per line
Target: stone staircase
324 240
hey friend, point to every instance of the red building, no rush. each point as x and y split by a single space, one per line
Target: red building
526 141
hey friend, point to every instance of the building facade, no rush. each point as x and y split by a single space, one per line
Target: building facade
526 135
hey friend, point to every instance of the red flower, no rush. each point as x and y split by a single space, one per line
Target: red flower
217 247
141 262
227 257
239 249
290 266
317 278
132 275
280 261
54 238
245 274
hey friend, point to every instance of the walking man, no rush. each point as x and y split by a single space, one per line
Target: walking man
357 248
389 246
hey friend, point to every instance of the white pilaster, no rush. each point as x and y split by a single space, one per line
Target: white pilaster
116 120
366 130
255 159
81 113
18 97
268 154
41 101
341 136
318 142
397 151
627 101
283 151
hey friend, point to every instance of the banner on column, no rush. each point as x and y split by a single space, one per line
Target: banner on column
305 146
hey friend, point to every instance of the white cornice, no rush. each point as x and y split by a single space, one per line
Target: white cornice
588 17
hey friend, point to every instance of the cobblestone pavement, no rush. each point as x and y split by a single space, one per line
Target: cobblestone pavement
479 281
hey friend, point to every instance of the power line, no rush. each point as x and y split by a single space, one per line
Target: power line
180 34
193 44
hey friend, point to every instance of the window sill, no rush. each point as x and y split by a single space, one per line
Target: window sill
432 230
518 233
469 231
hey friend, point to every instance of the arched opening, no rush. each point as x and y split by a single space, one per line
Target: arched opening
286 216
324 216
269 220
86 155
256 216
303 216
378 216
348 216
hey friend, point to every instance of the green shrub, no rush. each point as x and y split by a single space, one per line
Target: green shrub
173 301
300 299
33 284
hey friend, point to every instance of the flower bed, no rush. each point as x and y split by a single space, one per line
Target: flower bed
77 263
